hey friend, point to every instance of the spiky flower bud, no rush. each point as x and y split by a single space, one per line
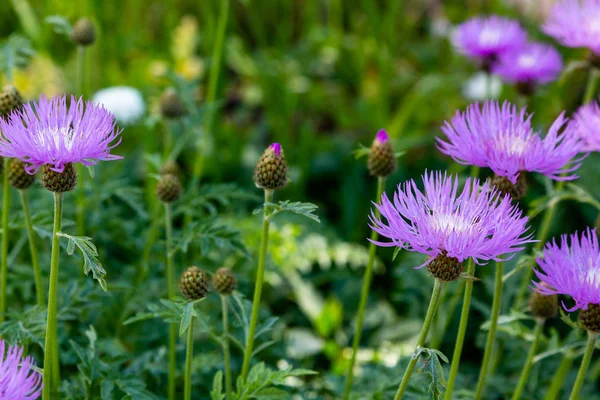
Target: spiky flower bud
59 182
171 105
590 319
10 99
194 283
543 306
84 32
224 281
169 168
168 189
17 176
445 268
271 170
382 160
517 190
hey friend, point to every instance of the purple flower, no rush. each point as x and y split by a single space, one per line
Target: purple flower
19 380
48 132
480 222
382 136
575 23
574 271
587 125
501 138
533 63
488 37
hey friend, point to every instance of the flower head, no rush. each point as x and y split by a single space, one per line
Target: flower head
18 378
575 23
488 37
477 223
48 132
587 125
572 270
502 139
126 103
533 63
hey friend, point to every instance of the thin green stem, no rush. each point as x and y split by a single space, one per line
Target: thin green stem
4 262
585 363
260 276
592 85
539 328
170 292
215 74
226 353
541 237
433 304
491 337
80 198
364 296
51 324
189 355
462 330
35 262
558 379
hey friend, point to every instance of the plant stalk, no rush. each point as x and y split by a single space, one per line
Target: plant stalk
35 261
80 197
364 296
51 324
226 352
171 293
558 379
539 328
433 304
189 355
4 261
462 330
260 276
587 356
491 337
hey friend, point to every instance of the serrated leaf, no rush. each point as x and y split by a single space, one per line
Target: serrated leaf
90 256
210 235
15 53
299 208
60 24
186 317
217 388
434 369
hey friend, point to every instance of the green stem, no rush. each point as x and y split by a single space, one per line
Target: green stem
35 262
433 304
189 355
215 73
559 377
592 85
364 295
171 293
542 236
539 328
462 330
4 262
51 325
491 337
226 354
587 356
260 276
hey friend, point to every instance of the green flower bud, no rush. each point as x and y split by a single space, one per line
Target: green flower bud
168 189
194 283
271 170
84 32
382 160
445 268
17 176
590 319
224 281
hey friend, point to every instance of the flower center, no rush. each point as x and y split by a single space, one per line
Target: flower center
447 223
593 276
511 145
53 138
527 61
489 36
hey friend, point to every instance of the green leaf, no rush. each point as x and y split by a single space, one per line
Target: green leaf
90 256
60 24
186 317
15 53
396 252
211 235
433 367
304 209
217 388
567 320
361 152
330 318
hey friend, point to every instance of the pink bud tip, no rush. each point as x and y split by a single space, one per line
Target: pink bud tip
382 136
276 148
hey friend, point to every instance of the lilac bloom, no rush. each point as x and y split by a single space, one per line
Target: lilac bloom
587 125
488 37
533 64
575 23
19 380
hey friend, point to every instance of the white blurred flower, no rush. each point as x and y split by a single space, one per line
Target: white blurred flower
482 86
126 103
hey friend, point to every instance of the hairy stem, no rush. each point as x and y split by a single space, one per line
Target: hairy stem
539 328
35 261
587 356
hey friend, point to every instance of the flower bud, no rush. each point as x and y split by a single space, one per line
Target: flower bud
59 182
445 268
10 100
169 168
590 319
84 32
271 170
194 283
382 160
516 191
168 189
17 176
171 105
543 306
224 281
